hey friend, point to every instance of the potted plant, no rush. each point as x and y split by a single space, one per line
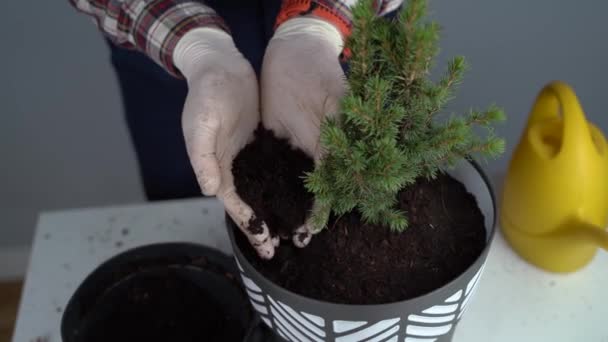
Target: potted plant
403 216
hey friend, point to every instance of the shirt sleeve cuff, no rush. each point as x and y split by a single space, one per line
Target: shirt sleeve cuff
335 12
164 23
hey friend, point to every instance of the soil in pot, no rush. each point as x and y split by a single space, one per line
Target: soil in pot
161 304
353 262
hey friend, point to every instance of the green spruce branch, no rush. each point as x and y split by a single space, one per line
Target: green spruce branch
389 134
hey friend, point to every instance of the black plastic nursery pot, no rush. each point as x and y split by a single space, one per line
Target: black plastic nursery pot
429 317
162 292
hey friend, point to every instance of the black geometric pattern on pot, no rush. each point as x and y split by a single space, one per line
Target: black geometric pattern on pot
429 325
256 297
296 326
438 320
470 290
385 330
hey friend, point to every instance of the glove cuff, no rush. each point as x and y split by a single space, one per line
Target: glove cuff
317 29
201 46
339 16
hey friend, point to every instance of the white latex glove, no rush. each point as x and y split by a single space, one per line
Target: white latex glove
220 115
302 82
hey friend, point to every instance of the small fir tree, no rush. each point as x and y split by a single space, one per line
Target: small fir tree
388 134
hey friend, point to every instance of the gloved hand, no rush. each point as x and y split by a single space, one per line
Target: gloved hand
219 117
302 82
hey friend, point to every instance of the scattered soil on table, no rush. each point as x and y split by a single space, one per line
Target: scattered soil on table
353 262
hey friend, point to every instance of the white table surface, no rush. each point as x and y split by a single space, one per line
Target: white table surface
514 301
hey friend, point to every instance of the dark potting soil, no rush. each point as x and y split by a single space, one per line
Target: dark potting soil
164 306
268 174
352 262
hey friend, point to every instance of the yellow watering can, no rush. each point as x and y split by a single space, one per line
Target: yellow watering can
555 196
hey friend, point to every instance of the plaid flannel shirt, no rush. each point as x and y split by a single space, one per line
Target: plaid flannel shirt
155 26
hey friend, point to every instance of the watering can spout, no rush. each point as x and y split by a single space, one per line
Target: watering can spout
555 195
582 231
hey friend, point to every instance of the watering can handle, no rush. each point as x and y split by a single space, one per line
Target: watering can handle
559 97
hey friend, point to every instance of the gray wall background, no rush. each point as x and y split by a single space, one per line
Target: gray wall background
63 140
64 144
